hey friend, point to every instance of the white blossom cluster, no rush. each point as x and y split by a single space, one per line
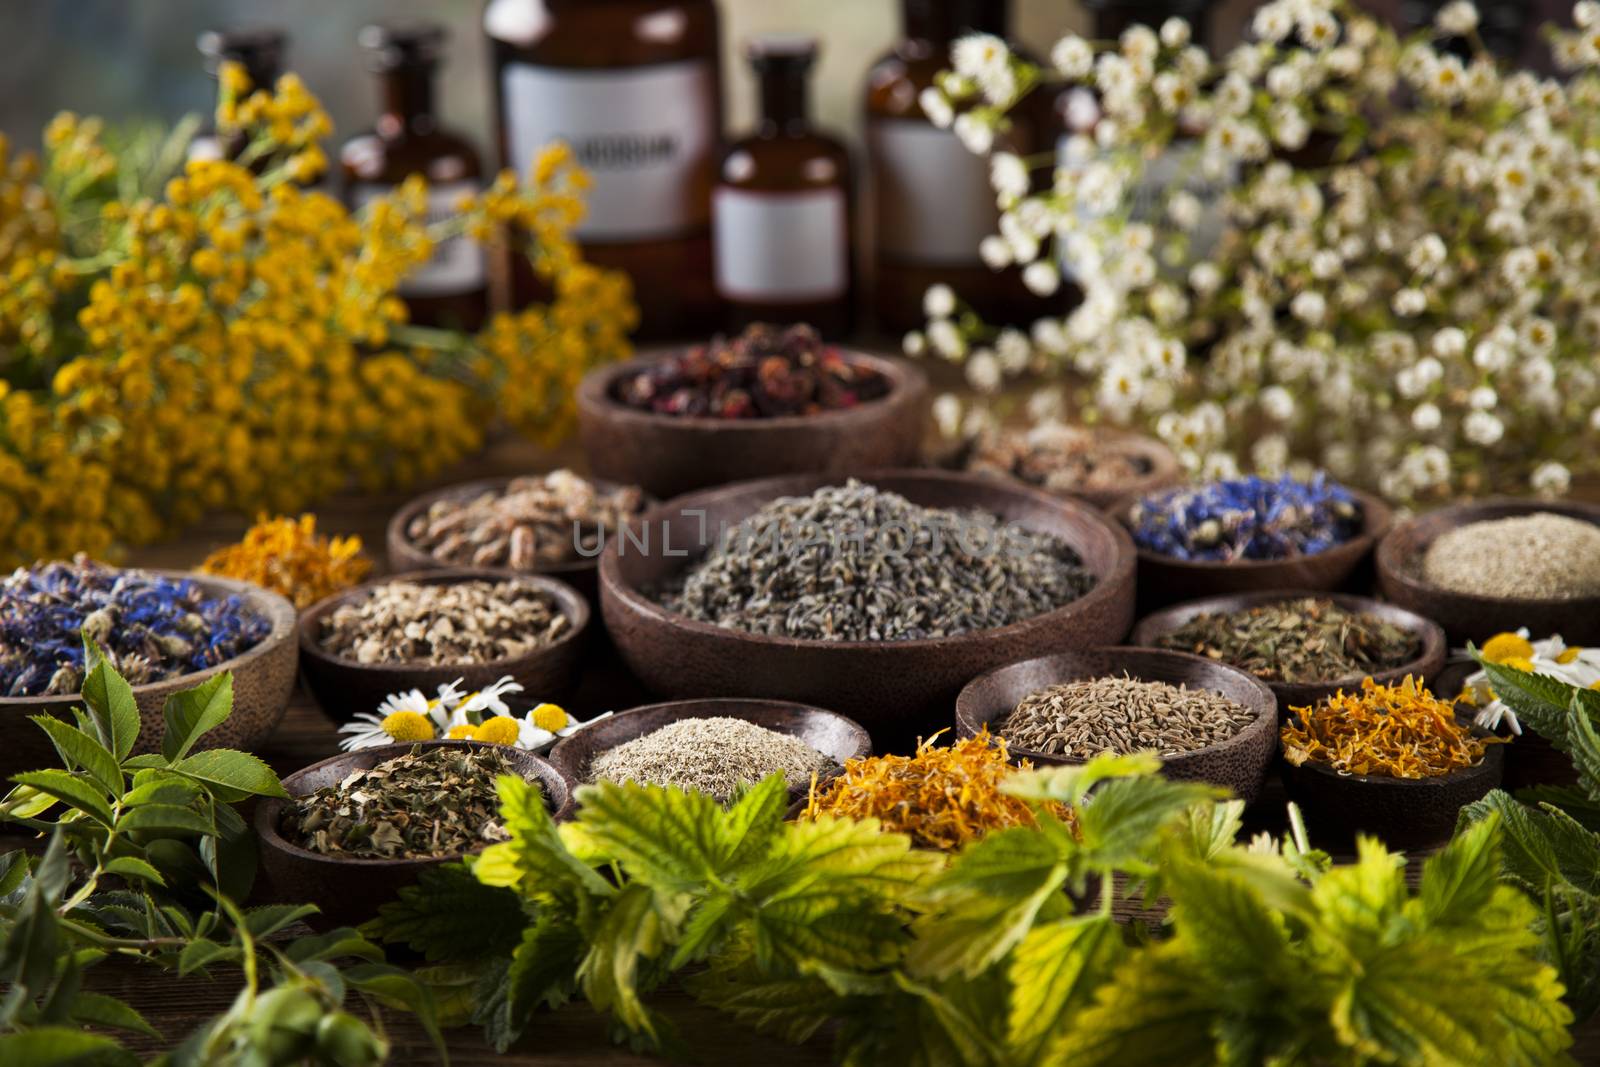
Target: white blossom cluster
1401 277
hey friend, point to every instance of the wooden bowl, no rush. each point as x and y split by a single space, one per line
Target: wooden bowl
898 690
1240 763
1530 759
404 555
1403 812
1165 580
1165 470
1469 617
828 732
263 680
1427 662
349 890
668 455
345 688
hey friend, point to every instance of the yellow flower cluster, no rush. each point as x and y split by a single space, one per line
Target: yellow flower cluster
235 341
286 556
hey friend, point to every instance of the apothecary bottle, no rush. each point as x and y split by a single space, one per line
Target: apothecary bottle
260 50
782 215
451 289
932 200
634 86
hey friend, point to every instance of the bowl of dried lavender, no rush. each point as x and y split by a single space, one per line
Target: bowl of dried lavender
879 597
1304 645
1208 721
359 827
423 629
164 631
771 401
1250 535
1492 566
554 524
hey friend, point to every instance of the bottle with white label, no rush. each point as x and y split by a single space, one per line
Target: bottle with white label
260 51
451 289
781 211
634 86
932 201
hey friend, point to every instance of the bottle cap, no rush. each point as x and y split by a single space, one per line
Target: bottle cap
786 49
391 45
259 49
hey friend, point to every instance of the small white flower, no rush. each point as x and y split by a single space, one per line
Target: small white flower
1277 403
1594 420
1284 81
1008 174
975 133
1537 374
995 251
1410 302
1427 255
947 414
939 302
487 699
1073 57
1538 336
1205 278
1041 277
1139 43
978 54
1449 342
1014 350
1309 307
914 344
1426 417
983 371
1175 33
1051 336
1482 428
1184 209
1219 466
1270 454
1272 22
1491 355
1483 398
1586 14
1550 479
1457 18
946 339
937 107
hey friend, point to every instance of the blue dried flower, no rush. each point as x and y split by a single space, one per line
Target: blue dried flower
152 628
1247 519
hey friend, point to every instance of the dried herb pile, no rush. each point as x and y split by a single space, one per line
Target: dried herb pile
717 755
477 621
944 797
1058 458
1542 556
1297 641
288 557
1249 518
152 628
1399 731
437 801
1122 715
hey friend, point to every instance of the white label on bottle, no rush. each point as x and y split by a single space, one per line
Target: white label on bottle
457 265
780 246
933 196
645 136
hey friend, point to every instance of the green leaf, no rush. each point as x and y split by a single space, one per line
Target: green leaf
534 861
61 1046
81 792
1458 882
341 943
268 919
202 953
110 701
231 770
1054 974
101 1010
192 713
78 749
448 915
134 867
668 838
1122 822
633 930
166 819
1156 1010
1584 740
29 951
13 873
1540 846
25 802
398 988
1070 784
165 790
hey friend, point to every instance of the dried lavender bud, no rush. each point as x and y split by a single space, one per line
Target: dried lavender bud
1247 519
467 622
763 373
152 628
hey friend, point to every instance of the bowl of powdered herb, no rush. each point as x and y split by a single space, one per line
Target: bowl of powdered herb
163 631
359 827
421 630
1304 645
1208 722
717 747
879 597
1493 566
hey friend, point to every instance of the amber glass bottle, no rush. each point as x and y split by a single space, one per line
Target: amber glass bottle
634 86
451 289
932 199
260 51
782 215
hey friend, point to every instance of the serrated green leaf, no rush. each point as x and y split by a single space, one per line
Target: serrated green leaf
1540 846
449 915
268 919
1071 783
397 988
102 1010
110 701
165 818
189 715
1054 974
134 867
635 928
534 861
1584 741
25 802
341 943
165 790
202 953
667 838
231 770
78 749
78 790
1156 1010
1458 882
61 1046
1121 824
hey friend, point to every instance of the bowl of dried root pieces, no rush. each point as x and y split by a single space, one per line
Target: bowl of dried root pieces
427 628
1208 721
359 827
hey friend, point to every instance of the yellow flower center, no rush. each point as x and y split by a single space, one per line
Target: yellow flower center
500 730
550 717
1568 654
408 726
462 732
1520 663
1502 648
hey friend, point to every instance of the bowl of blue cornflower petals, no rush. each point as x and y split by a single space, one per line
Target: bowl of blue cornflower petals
1249 534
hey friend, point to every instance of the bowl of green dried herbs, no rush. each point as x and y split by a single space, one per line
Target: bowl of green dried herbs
1305 645
359 827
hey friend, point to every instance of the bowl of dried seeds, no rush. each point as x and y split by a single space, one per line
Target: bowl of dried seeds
879 597
715 746
1492 566
426 628
1208 721
767 403
554 524
1304 645
359 827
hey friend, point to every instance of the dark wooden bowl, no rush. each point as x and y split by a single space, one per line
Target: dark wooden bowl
1530 759
404 555
1403 812
828 732
263 681
1468 617
345 688
350 890
1426 664
898 690
1240 763
1165 470
667 455
1164 580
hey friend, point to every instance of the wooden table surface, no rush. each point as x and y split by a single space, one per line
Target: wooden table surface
572 1035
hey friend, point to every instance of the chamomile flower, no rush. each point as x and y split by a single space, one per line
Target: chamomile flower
548 723
488 699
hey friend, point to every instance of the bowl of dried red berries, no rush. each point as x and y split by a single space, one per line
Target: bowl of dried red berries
774 400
